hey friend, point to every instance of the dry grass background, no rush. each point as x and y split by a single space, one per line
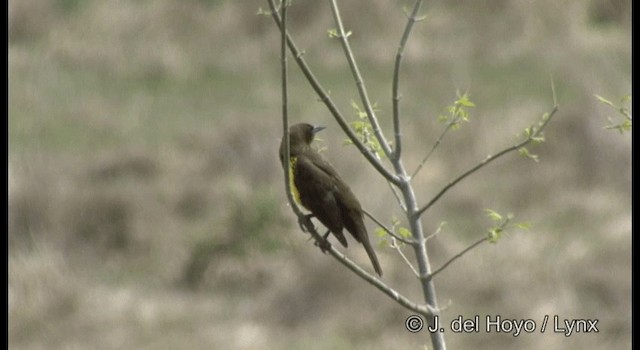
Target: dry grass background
145 198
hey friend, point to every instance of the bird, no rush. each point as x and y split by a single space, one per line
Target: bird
318 187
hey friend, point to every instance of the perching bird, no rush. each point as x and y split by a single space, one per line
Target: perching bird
318 187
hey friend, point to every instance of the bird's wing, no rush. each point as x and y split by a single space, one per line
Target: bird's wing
317 191
340 188
350 210
348 204
348 207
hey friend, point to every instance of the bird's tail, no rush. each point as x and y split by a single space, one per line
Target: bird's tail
371 253
359 232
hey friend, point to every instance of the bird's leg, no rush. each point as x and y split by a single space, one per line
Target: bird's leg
324 243
305 222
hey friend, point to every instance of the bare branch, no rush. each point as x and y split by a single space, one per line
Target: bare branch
450 124
393 294
422 309
457 256
436 232
489 159
343 37
553 92
387 230
395 194
395 94
491 237
285 113
395 245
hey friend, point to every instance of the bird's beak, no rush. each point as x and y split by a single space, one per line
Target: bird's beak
317 129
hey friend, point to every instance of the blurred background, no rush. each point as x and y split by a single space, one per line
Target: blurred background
146 202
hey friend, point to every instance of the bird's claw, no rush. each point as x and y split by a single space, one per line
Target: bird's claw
304 222
306 225
323 244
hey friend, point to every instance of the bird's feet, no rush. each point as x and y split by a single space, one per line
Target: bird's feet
305 223
323 244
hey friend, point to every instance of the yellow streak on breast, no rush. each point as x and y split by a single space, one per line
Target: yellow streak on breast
294 189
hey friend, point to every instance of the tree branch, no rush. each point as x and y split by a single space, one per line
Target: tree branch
395 94
387 230
393 294
450 124
457 256
395 245
402 206
343 37
285 113
489 159
436 232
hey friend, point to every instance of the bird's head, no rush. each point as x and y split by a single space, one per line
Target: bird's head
300 137
303 133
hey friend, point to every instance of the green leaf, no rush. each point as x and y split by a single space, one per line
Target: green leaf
494 235
465 102
625 124
404 232
493 215
358 125
380 232
538 139
457 112
500 230
262 12
523 225
394 221
604 100
364 130
625 98
622 127
525 153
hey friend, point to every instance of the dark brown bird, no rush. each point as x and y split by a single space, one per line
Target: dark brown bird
318 187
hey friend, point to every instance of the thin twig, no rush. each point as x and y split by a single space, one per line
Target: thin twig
457 256
364 96
395 245
422 309
285 112
326 99
553 91
395 95
402 206
387 230
393 294
437 231
490 159
433 148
